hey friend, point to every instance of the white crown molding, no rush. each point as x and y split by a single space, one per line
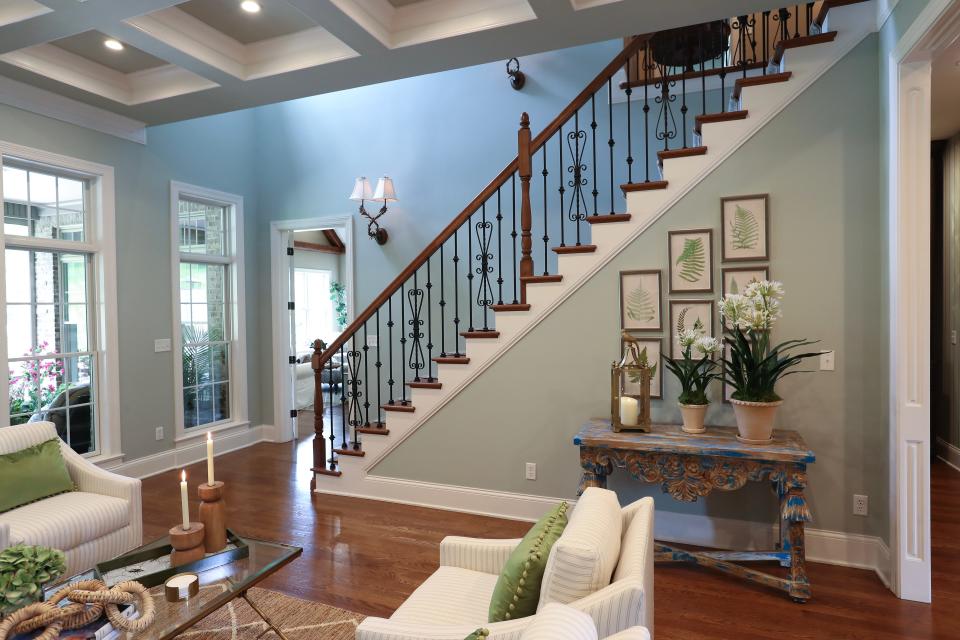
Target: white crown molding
13 11
52 105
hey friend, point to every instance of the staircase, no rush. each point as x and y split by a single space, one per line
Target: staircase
576 195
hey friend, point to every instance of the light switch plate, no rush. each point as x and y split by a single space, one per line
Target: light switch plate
161 344
371 341
827 361
531 471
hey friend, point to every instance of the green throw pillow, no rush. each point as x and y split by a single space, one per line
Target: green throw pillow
31 474
518 589
479 634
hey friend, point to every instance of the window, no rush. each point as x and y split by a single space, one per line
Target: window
314 308
207 237
57 247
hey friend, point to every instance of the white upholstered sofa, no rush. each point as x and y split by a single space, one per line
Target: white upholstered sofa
601 565
100 520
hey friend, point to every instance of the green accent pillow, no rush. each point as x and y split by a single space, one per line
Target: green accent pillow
479 634
518 589
31 474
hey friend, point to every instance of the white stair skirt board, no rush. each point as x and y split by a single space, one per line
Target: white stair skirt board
764 102
829 547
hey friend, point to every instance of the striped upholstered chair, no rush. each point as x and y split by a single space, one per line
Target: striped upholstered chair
602 566
100 520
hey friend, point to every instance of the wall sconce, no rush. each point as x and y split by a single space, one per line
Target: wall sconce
517 79
385 192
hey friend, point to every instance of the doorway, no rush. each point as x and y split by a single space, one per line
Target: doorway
312 298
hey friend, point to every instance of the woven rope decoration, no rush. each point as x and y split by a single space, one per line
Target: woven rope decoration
89 599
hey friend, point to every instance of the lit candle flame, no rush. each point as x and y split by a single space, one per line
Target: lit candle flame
183 475
209 437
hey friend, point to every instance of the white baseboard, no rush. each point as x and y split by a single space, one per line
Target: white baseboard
828 547
188 453
948 453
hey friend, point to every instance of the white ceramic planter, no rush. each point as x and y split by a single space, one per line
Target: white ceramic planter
693 415
755 420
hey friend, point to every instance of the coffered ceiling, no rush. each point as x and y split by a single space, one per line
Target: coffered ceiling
186 59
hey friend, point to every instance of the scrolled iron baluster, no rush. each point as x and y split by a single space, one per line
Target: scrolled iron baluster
366 375
577 179
484 229
593 138
428 363
499 249
666 126
415 324
354 415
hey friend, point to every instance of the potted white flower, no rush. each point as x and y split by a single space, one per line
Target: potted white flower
694 373
755 366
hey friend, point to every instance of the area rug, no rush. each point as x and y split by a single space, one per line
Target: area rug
298 619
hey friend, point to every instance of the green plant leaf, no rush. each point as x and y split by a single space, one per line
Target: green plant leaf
639 305
744 229
692 260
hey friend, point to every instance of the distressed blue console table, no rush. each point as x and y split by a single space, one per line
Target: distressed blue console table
690 466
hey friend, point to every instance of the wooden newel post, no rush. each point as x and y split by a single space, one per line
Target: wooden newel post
319 443
524 169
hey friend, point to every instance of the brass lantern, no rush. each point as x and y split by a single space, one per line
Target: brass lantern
631 412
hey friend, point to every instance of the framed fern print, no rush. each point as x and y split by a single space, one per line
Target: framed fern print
654 347
640 300
691 261
734 280
688 314
746 229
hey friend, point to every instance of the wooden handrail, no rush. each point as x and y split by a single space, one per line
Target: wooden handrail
581 99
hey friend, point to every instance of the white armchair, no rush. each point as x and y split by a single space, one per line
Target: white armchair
100 520
454 601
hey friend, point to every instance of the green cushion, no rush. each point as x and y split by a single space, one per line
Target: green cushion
518 589
31 474
479 634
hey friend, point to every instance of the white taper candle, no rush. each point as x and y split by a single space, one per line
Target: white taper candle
184 507
209 458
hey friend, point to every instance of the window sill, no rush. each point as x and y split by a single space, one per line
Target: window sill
106 460
199 432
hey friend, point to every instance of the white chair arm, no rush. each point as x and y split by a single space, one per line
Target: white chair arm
617 607
384 629
636 633
4 535
476 554
92 479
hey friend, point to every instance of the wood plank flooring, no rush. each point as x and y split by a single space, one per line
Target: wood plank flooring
367 556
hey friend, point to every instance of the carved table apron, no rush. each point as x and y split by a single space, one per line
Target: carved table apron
690 466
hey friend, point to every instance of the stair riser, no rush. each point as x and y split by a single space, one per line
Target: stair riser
680 170
453 374
483 349
803 60
544 294
508 324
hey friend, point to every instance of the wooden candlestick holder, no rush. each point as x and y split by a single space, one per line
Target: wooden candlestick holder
187 544
213 515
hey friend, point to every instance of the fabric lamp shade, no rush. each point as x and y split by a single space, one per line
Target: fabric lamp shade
361 190
385 190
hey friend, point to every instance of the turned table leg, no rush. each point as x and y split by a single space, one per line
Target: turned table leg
595 467
799 584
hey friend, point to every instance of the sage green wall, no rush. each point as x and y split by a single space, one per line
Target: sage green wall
818 160
211 152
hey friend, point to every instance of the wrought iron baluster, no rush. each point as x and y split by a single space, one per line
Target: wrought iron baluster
610 142
470 272
379 366
629 92
499 249
765 40
513 234
333 427
390 380
352 401
723 76
796 21
344 416
666 126
456 296
703 75
403 345
560 189
484 290
415 300
683 105
366 376
646 114
428 363
593 130
443 304
577 145
546 237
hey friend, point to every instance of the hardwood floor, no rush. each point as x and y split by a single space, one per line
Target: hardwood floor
367 556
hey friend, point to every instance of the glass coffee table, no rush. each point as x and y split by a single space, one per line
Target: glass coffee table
218 586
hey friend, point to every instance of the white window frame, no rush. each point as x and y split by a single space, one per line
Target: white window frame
100 244
239 411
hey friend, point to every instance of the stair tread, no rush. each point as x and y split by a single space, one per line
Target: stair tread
681 153
404 408
480 334
582 248
725 116
452 360
424 385
326 472
541 279
356 453
511 307
612 217
754 81
649 185
378 431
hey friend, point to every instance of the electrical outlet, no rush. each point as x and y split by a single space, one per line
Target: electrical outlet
826 361
371 341
860 505
531 471
159 433
161 344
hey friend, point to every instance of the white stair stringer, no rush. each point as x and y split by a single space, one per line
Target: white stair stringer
763 102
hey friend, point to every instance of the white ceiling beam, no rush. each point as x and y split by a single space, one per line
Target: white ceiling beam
551 8
70 17
340 26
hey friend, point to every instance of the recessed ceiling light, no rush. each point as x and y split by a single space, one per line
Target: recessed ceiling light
250 6
112 44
